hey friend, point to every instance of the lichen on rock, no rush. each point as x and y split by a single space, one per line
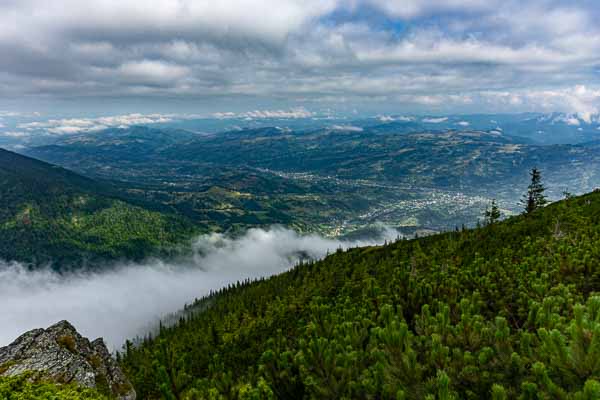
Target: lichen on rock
60 354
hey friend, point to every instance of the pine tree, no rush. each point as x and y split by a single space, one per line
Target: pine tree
492 214
534 198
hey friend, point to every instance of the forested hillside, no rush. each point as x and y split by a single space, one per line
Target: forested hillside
51 215
508 311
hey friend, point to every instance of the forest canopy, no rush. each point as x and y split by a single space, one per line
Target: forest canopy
507 311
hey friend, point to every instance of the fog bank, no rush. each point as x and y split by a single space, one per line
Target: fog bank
123 301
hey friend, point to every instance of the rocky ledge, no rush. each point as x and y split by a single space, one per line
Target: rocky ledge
62 355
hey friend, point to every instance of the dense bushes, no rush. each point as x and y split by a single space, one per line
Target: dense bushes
511 310
23 388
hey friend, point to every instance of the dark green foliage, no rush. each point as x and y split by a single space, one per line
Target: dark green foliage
492 214
534 198
26 387
49 214
508 311
567 195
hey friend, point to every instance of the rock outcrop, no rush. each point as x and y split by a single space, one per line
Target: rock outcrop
62 355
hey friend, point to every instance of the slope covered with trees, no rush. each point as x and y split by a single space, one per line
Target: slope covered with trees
507 311
51 215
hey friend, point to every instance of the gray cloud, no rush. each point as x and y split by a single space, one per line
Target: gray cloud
298 52
128 300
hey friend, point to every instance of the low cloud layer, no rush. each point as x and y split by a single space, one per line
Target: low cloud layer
346 128
435 120
127 300
77 125
266 114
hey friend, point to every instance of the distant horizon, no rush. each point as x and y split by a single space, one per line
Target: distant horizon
266 114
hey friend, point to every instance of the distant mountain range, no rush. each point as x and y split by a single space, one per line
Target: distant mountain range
155 187
335 180
552 128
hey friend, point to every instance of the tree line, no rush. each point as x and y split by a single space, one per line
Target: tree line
532 200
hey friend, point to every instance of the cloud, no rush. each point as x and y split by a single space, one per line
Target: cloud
435 120
147 72
127 300
409 54
346 128
389 118
139 21
463 123
78 125
18 114
14 134
572 121
580 100
264 114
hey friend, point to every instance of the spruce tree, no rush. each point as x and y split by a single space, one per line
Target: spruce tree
534 198
492 214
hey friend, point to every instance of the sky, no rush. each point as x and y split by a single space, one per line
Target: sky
101 57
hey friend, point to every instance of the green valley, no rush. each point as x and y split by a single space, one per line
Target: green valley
336 182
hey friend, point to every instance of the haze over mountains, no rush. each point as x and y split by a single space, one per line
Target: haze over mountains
541 128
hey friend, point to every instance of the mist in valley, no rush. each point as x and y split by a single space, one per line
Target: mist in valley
126 300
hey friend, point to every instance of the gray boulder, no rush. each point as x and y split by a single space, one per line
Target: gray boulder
60 354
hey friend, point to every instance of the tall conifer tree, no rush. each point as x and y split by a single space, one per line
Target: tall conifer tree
534 198
492 214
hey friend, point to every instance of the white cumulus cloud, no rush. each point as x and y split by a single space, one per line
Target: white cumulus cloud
579 100
78 125
294 113
346 128
435 120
